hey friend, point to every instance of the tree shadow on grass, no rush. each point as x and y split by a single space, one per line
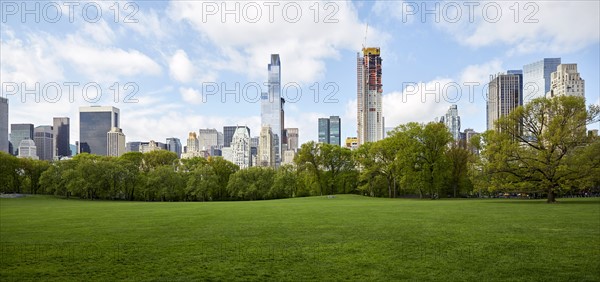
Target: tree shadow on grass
559 201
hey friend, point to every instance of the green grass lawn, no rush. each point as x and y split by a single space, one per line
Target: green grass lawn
318 238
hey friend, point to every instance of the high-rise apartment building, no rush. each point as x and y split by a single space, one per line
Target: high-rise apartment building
369 96
115 140
94 123
239 152
44 141
4 125
504 95
266 150
62 136
208 139
272 106
291 134
566 81
192 143
452 122
174 145
18 133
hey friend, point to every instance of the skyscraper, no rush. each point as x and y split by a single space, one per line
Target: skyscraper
174 145
566 81
271 105
228 132
115 140
292 138
4 125
240 148
62 136
18 133
452 122
266 153
335 126
369 90
208 139
44 141
504 95
132 146
192 143
324 130
94 123
536 78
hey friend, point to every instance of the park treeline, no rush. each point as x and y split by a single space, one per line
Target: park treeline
543 148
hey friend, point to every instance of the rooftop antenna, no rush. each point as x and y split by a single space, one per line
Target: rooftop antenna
365 41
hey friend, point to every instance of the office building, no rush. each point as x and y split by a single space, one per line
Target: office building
44 141
132 146
19 132
504 95
115 140
292 135
452 122
62 136
4 143
272 105
94 123
254 143
228 132
566 81
369 96
324 130
174 145
536 78
266 150
208 139
335 126
27 149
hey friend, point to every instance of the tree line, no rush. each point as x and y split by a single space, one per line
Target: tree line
542 148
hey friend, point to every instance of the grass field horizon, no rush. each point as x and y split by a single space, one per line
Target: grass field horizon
347 237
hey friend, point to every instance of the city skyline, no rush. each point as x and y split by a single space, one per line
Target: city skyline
171 79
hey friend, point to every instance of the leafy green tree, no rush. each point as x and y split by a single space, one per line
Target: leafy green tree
253 183
223 169
533 144
10 173
33 170
164 184
158 158
285 183
309 159
459 159
336 162
203 183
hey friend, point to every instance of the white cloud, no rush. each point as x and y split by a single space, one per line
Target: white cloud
99 32
180 67
303 46
541 26
191 95
481 73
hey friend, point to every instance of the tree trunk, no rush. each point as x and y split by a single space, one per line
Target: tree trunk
551 197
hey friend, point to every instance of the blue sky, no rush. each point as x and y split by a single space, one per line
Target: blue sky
174 53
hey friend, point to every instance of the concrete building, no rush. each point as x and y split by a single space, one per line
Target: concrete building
352 143
4 143
369 96
18 133
94 123
132 146
239 152
288 157
292 135
27 149
271 111
504 95
62 136
146 147
266 150
115 140
566 81
192 143
536 78
43 137
209 139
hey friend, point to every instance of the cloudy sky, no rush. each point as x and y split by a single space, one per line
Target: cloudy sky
174 67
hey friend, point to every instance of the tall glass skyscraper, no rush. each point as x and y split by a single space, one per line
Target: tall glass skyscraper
4 125
18 133
62 137
324 130
44 141
335 126
452 122
174 145
536 78
94 123
271 106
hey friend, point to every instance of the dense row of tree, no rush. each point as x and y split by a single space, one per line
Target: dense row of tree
542 147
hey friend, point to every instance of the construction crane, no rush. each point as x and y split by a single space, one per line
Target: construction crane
365 41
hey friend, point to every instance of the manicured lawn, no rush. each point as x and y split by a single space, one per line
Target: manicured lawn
318 238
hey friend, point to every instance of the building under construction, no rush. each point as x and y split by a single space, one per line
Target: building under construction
369 91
